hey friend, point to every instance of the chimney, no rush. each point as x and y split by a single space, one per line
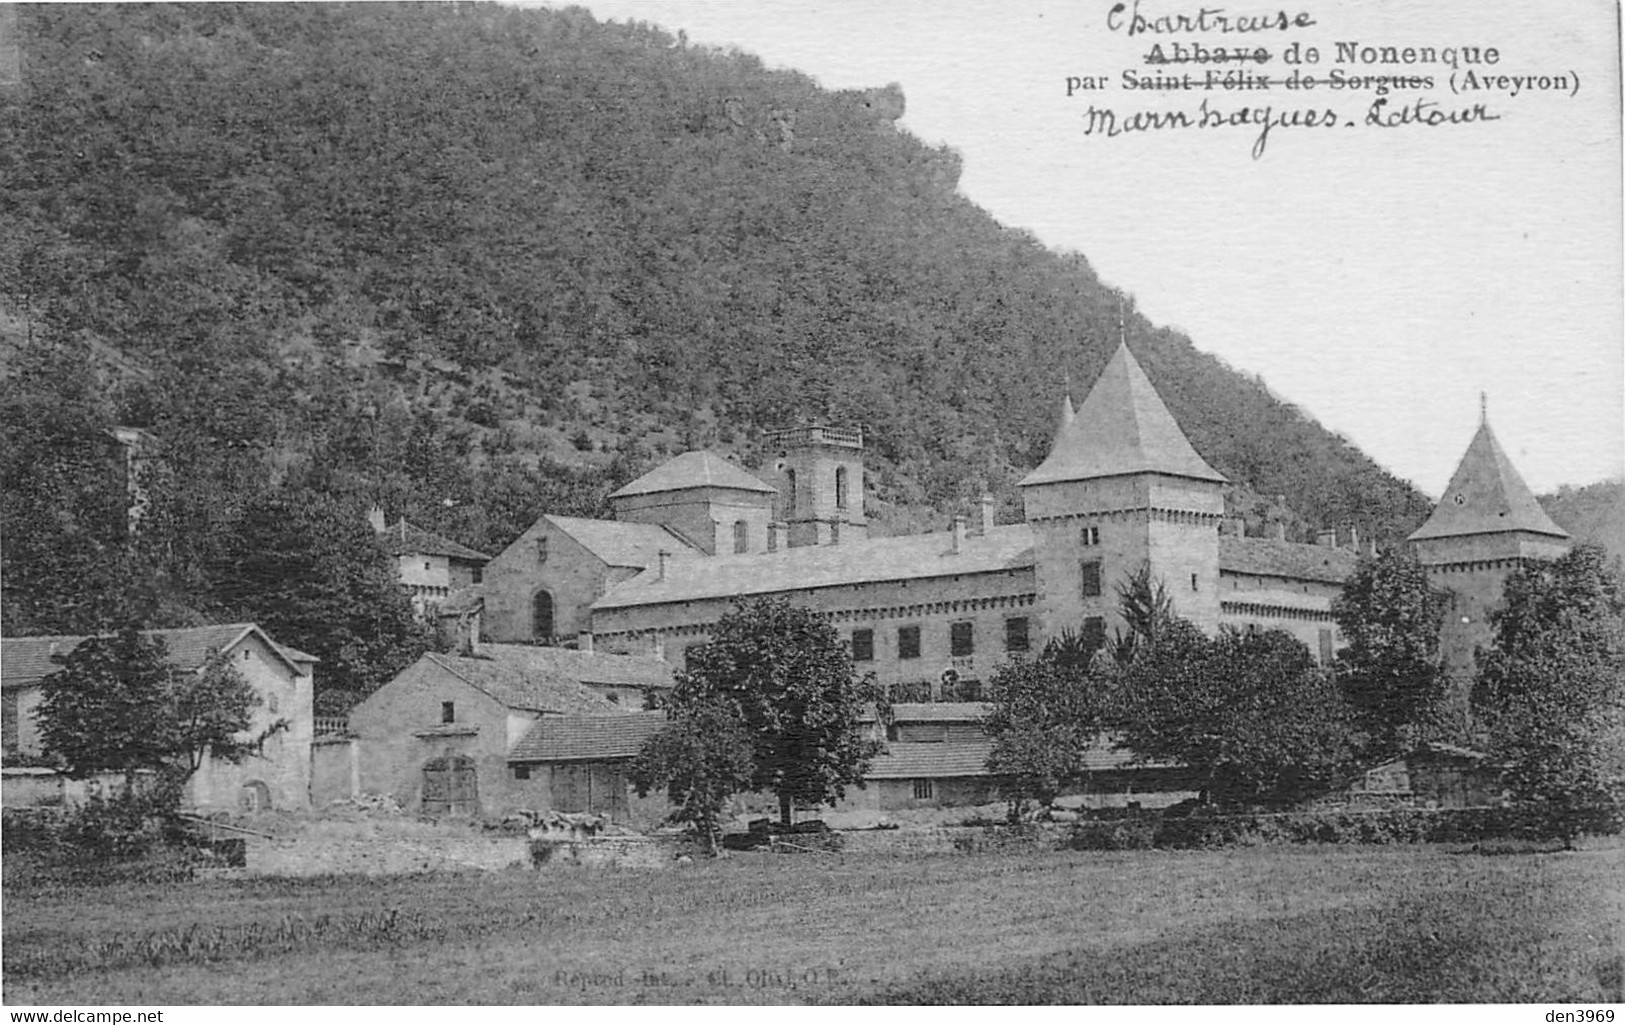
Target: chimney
1278 530
584 641
987 514
375 516
1327 538
959 535
663 558
775 535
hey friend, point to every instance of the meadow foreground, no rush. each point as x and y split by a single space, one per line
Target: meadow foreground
1258 925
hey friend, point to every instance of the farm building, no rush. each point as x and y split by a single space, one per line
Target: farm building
279 777
438 737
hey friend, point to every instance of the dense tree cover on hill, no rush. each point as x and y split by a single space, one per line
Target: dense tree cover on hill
474 262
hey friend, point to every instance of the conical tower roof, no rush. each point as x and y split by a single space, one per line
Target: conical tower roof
1486 496
1068 414
1121 428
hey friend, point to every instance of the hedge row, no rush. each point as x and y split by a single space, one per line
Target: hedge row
1396 825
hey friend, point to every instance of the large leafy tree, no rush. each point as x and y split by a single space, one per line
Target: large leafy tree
1390 668
781 672
118 704
310 570
1551 689
702 758
1248 712
1043 716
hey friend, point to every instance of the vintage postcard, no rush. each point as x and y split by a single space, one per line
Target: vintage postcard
673 502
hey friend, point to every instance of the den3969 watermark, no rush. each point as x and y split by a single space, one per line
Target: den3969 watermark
1585 1016
764 977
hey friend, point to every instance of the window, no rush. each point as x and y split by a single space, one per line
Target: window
741 537
247 654
840 487
477 575
1094 633
541 549
271 703
789 494
448 711
922 790
1194 587
961 639
863 645
427 566
541 616
1091 579
1089 536
1015 634
908 642
521 772
1325 647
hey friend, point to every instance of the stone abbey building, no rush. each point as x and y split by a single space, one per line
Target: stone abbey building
931 613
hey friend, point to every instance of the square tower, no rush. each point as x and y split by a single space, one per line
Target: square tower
823 484
1122 488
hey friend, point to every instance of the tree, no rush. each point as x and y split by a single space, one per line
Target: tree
309 568
781 672
118 704
1551 689
1390 670
702 757
1146 609
1043 716
1248 712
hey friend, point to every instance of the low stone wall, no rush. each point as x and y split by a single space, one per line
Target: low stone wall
617 851
385 856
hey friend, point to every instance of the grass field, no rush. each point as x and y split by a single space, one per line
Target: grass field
1273 925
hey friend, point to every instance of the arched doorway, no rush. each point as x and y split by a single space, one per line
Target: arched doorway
254 796
450 786
541 617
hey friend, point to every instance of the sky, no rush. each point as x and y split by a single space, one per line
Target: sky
1380 278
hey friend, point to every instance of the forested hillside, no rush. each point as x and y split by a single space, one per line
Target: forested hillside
1594 514
475 263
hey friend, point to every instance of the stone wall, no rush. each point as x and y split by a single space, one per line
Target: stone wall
385 856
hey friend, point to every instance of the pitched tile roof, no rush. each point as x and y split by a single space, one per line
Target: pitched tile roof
517 685
565 738
911 557
462 601
1122 427
1265 556
27 660
694 470
940 711
622 544
918 761
410 539
1486 496
592 667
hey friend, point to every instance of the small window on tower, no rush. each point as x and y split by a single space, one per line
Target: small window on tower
1094 633
448 711
840 487
863 645
1194 586
741 537
908 642
1089 536
1091 579
961 639
1015 634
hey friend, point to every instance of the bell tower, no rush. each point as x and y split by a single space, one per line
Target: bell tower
822 499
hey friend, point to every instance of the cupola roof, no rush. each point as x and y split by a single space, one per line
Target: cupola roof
693 470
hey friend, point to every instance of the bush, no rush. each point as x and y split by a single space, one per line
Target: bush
1395 825
1119 834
